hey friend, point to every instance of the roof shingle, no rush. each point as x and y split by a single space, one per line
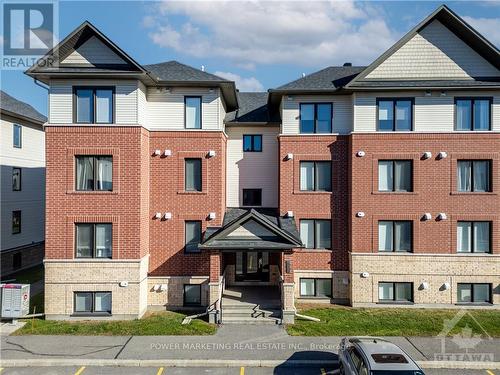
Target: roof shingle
175 71
330 78
12 105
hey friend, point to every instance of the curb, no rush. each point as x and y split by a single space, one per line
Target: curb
57 362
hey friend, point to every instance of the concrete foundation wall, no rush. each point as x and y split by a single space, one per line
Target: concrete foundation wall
171 294
340 286
436 270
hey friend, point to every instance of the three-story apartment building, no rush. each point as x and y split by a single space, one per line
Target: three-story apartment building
356 185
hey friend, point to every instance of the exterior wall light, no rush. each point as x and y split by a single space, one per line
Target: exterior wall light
365 275
360 153
360 214
442 155
427 216
289 156
167 153
158 215
424 286
157 153
167 216
211 153
211 216
442 216
289 214
427 155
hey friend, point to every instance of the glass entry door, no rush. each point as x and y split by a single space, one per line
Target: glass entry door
252 266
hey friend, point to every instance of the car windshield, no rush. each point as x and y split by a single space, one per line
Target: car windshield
397 372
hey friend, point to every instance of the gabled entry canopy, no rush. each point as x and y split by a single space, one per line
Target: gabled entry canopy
252 230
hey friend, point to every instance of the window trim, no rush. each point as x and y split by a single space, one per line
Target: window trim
315 104
490 175
472 302
394 100
472 125
473 238
252 137
92 311
201 176
20 222
315 287
94 247
185 234
186 304
20 127
393 161
314 233
94 102
94 166
315 188
20 178
394 300
201 111
243 197
394 236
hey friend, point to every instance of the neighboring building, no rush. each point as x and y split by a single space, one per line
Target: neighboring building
356 185
22 195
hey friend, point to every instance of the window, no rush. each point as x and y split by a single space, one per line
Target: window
474 293
192 295
252 143
93 105
474 175
16 179
316 287
395 114
395 175
316 234
192 178
473 114
16 222
316 176
93 240
395 292
192 236
94 173
17 136
358 362
252 197
192 112
473 237
395 236
93 303
316 118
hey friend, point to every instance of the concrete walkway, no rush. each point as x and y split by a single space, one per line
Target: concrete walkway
232 344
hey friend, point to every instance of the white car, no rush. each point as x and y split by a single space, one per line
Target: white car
374 356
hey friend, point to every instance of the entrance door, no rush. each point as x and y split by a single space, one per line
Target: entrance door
252 266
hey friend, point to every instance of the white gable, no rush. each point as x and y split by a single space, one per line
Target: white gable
251 229
93 52
434 53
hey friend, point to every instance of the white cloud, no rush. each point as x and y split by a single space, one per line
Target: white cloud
247 33
243 84
488 27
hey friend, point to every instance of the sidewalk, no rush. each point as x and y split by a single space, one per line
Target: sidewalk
258 345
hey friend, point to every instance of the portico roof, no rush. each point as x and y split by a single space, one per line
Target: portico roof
252 229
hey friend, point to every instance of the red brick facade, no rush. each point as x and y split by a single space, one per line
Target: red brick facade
317 205
434 188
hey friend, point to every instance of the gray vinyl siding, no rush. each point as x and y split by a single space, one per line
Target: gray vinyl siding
342 112
166 108
61 100
435 53
92 52
248 170
434 113
31 199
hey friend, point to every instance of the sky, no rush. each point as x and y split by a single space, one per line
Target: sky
258 44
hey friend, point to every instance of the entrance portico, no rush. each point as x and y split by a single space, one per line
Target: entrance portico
249 250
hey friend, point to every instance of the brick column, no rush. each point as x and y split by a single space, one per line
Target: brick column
214 285
288 308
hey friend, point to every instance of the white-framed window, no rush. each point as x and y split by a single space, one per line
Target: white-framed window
315 287
315 176
395 292
94 173
474 175
93 240
92 303
474 293
192 112
17 136
192 232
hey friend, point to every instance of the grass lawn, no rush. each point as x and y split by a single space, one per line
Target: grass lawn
160 323
348 321
27 276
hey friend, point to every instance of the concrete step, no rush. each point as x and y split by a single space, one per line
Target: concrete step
251 313
241 320
270 304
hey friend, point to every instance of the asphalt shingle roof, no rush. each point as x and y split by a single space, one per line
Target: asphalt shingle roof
11 104
175 71
330 78
252 108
